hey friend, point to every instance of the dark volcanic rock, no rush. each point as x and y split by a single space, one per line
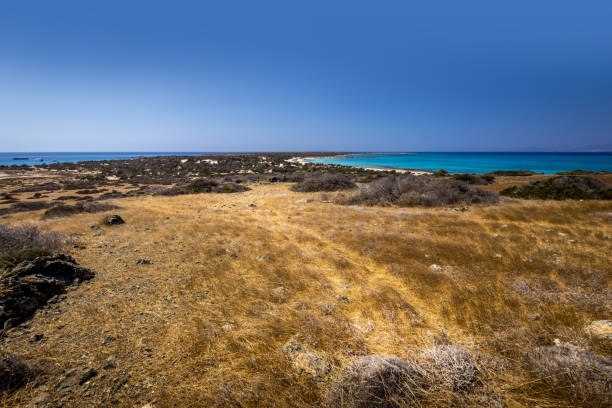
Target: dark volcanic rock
31 284
15 372
61 267
74 378
114 220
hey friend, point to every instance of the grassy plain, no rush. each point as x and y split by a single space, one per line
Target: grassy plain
203 323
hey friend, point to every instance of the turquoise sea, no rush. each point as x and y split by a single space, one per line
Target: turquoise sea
478 163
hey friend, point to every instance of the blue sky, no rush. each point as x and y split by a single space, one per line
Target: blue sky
279 75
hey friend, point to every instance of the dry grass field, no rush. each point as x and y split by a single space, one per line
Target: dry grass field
229 284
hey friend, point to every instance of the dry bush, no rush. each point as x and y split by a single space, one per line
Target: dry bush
324 182
26 206
453 367
581 376
378 381
409 190
27 236
68 210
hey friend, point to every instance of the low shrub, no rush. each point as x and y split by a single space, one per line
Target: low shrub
410 190
67 210
324 182
377 381
25 206
512 173
440 173
201 186
561 188
26 236
453 367
474 178
38 187
580 375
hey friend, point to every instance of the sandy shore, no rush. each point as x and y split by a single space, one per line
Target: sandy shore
305 160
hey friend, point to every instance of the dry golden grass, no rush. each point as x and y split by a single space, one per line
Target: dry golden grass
201 325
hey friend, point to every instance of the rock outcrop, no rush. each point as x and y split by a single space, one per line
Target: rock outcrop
31 284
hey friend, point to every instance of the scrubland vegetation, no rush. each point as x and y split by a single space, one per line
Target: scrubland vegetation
381 295
410 190
562 188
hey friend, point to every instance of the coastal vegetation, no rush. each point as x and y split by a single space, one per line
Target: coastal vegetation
410 190
562 188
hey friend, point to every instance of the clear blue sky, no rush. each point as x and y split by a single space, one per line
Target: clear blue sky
311 75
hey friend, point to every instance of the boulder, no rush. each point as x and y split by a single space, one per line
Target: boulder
306 361
31 284
114 220
377 381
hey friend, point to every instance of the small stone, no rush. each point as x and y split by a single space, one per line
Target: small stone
280 294
263 257
143 261
600 330
36 338
535 316
108 339
110 363
94 227
306 361
40 401
435 267
344 299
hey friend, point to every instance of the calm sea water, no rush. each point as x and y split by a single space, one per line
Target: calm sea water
548 163
453 162
8 159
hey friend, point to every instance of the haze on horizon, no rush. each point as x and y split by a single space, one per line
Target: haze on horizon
324 76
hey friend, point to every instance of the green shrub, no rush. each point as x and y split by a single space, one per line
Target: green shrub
561 188
512 173
440 173
474 179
